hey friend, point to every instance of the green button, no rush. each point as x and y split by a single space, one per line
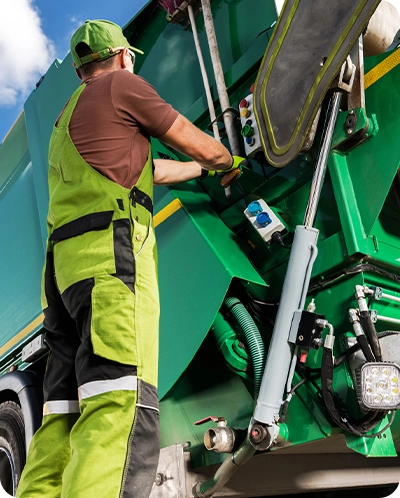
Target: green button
247 131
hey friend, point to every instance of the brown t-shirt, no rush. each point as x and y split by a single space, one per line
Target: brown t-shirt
116 114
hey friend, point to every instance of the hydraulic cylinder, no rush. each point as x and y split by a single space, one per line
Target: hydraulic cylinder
281 350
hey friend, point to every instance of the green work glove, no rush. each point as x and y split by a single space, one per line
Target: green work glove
238 162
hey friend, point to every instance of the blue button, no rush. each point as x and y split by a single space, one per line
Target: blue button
263 219
254 208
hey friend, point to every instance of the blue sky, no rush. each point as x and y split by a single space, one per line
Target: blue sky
35 32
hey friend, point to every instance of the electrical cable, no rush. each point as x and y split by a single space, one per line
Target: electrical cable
354 270
309 373
255 189
285 404
246 203
362 426
341 358
277 237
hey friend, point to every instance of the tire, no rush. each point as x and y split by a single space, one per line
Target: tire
12 446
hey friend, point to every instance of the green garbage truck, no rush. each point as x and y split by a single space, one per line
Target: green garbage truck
279 368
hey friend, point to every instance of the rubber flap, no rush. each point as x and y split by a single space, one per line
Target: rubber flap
308 47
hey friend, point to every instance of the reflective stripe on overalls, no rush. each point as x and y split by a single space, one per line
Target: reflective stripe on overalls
99 436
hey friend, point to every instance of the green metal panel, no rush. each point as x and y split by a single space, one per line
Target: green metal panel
42 109
171 63
349 210
204 389
198 258
13 151
374 447
370 188
21 256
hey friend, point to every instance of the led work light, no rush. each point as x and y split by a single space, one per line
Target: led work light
378 386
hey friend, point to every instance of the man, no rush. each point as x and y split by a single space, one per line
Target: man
99 436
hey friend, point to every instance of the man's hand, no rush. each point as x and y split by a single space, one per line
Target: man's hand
237 164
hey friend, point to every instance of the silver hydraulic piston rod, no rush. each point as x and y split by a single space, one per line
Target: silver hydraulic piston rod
263 426
322 162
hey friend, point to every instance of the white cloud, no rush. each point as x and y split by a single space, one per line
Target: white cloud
25 51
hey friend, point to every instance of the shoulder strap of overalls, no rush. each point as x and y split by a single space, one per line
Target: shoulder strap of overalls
69 107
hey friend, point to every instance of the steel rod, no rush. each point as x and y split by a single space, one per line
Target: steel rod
219 78
203 70
391 298
388 319
322 162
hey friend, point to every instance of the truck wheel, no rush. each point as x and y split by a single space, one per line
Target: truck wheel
12 445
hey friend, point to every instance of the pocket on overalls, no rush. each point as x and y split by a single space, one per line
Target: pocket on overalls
112 328
83 248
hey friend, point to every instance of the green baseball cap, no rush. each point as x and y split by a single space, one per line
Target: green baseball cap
104 39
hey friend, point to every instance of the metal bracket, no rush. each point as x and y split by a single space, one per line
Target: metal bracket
374 315
170 479
34 349
356 98
220 119
181 16
346 75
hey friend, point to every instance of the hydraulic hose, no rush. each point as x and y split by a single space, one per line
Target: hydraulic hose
225 471
365 348
359 332
253 339
370 332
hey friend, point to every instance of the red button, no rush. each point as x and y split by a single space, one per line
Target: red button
252 88
243 103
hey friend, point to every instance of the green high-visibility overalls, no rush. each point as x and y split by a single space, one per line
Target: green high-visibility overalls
100 432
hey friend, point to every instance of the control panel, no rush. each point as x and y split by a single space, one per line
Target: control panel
250 133
263 219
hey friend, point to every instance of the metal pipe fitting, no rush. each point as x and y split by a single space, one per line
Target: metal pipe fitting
360 293
220 439
355 321
330 338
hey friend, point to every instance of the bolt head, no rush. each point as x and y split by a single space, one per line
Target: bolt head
160 479
258 433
